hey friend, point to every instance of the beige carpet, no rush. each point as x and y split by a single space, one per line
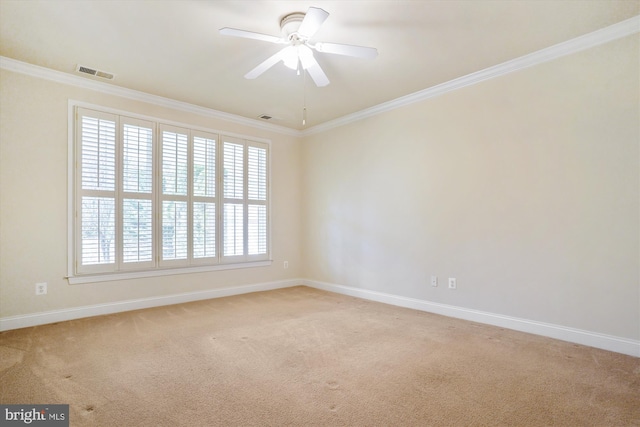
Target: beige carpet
305 357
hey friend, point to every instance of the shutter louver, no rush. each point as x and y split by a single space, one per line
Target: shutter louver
138 159
257 228
257 173
137 230
233 170
204 167
98 230
174 163
98 154
174 230
233 234
204 230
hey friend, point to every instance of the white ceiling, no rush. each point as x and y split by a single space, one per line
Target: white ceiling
173 48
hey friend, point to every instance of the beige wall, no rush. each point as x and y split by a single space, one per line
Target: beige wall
525 188
33 202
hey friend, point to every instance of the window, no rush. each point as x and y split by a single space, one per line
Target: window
151 196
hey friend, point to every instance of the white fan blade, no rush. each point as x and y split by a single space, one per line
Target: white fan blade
347 50
318 76
312 21
264 66
310 64
250 35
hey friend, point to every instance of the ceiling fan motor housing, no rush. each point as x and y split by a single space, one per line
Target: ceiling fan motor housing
290 24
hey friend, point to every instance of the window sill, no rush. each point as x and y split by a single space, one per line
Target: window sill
107 277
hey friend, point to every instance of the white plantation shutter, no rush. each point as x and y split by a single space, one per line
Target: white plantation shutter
257 233
174 163
204 197
233 189
257 199
137 224
98 230
98 153
257 173
175 195
150 195
137 175
204 165
233 226
204 230
96 191
137 250
233 164
245 187
174 230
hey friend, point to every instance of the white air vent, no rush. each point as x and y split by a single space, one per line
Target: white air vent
265 117
86 70
102 74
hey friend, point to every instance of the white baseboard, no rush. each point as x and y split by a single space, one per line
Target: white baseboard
578 336
43 318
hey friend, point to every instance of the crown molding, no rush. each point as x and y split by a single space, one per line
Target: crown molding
110 89
587 41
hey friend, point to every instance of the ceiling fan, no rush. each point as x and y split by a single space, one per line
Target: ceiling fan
297 31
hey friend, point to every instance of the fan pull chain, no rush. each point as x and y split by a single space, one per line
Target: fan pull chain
304 98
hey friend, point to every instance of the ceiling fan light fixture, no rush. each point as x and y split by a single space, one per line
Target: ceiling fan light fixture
306 55
290 57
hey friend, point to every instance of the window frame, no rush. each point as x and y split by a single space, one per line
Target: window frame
77 273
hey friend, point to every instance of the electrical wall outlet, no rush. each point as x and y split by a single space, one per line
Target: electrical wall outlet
452 283
41 288
434 281
286 264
